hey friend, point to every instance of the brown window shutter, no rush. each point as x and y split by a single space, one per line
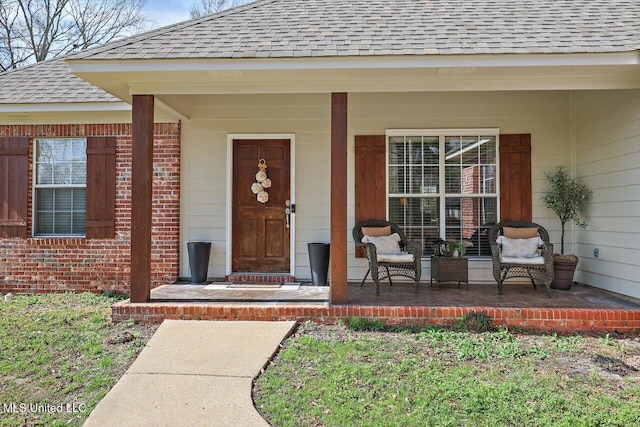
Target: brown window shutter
101 187
370 180
14 186
515 178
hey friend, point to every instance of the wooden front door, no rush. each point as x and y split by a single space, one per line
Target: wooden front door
260 234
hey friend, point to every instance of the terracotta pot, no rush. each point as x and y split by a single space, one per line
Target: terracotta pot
563 275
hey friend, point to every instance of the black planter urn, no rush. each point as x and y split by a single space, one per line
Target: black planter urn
319 262
199 253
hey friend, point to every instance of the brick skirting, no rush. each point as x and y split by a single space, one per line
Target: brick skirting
542 319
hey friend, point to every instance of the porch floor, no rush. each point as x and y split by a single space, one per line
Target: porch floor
583 308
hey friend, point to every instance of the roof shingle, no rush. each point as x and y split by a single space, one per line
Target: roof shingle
325 28
48 82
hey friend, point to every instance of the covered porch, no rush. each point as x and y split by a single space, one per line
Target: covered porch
583 309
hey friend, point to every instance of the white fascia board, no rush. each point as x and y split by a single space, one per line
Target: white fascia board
61 107
79 66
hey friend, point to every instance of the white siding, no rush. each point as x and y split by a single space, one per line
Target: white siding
546 115
607 146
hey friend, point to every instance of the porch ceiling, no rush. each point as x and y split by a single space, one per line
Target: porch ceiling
475 73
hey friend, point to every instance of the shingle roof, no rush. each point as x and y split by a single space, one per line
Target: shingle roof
329 28
48 82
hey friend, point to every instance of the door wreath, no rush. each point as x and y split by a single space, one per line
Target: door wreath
263 182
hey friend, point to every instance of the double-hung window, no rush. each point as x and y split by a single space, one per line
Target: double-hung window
60 186
442 184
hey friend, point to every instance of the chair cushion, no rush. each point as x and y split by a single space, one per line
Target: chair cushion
385 245
399 258
519 248
537 260
520 232
376 231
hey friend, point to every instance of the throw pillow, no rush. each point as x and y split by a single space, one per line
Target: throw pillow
385 245
376 231
520 232
519 248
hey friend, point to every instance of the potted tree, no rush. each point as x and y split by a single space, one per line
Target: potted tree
567 198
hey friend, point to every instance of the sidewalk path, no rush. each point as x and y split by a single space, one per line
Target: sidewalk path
193 373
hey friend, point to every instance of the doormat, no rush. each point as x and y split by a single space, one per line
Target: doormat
256 285
286 286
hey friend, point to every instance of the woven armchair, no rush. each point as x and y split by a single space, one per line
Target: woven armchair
384 270
540 269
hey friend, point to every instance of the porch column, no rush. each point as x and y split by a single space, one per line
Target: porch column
141 191
339 293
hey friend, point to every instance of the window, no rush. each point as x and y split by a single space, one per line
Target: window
442 184
60 187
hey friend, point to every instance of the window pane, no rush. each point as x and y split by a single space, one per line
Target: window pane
431 180
79 200
79 173
431 150
452 211
470 150
63 223
478 214
396 180
45 173
44 222
62 173
488 179
488 150
452 179
396 150
78 223
63 199
79 150
415 179
44 197
418 218
44 151
470 180
452 150
61 149
414 149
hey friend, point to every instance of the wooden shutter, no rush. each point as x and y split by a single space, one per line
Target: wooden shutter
14 186
101 187
370 181
515 178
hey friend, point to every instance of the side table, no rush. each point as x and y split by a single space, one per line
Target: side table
450 269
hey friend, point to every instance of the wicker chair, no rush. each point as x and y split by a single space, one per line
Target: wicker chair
506 268
384 270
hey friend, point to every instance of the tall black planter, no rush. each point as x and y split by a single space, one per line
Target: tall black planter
199 253
319 263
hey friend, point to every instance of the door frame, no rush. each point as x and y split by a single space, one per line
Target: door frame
229 192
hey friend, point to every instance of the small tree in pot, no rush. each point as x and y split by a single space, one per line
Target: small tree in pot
567 198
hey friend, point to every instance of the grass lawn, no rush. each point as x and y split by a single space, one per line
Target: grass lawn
338 376
59 355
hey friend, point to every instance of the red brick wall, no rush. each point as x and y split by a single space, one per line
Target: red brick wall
77 264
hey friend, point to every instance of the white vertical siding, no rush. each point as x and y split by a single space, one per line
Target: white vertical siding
607 147
546 115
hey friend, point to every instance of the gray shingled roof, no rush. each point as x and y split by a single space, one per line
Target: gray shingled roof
48 82
329 28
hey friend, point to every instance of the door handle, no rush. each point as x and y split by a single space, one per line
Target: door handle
287 212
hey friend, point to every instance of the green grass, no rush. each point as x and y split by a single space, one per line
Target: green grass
333 376
60 349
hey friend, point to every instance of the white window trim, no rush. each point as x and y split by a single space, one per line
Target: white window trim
36 186
441 195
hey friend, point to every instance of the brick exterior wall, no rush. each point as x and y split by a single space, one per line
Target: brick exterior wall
38 265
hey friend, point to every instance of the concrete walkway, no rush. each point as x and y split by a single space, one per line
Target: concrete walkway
193 373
